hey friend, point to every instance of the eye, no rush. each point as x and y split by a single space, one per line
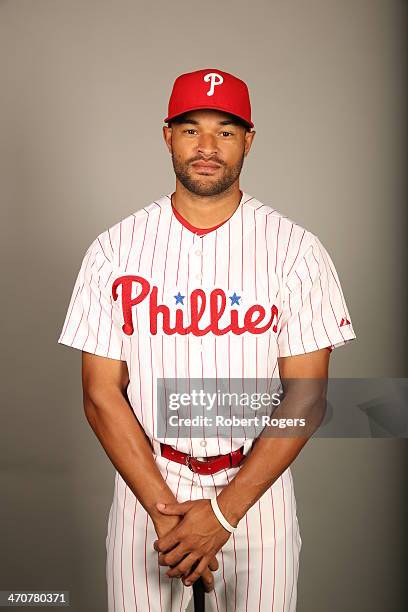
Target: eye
228 133
190 130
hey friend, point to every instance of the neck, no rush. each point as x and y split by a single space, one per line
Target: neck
208 211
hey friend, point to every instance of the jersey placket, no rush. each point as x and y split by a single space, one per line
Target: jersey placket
197 280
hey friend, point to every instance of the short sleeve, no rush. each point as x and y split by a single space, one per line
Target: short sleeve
89 323
314 311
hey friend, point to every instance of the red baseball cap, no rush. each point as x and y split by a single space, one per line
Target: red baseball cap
210 88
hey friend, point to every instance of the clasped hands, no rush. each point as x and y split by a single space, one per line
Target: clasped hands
190 547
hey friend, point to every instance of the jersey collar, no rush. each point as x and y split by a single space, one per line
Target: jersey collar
198 230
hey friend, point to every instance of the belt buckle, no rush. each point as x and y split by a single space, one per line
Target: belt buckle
188 462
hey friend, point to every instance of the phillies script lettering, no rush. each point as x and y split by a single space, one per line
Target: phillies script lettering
253 317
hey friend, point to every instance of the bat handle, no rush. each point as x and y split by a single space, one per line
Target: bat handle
199 595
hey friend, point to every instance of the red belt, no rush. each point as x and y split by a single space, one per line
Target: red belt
209 466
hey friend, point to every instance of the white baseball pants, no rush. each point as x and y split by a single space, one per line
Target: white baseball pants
258 565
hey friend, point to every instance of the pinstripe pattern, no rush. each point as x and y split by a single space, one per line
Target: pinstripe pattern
267 259
258 566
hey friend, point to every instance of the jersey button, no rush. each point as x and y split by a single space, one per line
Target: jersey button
203 443
198 252
198 276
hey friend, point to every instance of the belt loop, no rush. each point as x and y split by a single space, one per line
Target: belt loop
188 462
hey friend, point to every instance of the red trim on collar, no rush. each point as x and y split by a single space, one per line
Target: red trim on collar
193 228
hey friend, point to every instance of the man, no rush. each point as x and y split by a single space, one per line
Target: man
203 283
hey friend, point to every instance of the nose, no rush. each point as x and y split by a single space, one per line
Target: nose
207 145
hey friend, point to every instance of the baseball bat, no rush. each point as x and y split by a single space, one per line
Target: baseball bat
199 595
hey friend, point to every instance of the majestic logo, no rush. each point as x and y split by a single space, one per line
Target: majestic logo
253 317
215 79
344 322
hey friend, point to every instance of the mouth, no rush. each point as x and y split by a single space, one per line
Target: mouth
206 167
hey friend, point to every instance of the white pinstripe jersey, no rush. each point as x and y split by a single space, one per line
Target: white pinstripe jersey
277 283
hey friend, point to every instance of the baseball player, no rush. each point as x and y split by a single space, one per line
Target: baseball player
205 282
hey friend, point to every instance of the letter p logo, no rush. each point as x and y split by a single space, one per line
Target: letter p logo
214 79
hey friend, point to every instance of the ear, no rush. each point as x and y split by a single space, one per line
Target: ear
249 137
167 131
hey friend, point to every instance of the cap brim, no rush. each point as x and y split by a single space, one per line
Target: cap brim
219 108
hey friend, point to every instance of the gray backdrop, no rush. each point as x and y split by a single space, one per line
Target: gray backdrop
84 90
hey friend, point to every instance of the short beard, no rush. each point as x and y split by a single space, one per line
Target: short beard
201 188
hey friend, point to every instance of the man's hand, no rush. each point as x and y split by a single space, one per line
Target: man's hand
190 546
165 524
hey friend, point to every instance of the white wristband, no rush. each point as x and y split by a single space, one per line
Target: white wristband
220 516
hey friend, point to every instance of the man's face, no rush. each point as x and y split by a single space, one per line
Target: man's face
207 136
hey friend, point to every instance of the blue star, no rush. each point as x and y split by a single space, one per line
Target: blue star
234 299
179 298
